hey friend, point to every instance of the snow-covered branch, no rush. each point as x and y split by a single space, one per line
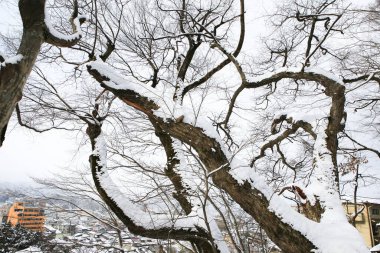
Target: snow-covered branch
59 39
259 199
10 60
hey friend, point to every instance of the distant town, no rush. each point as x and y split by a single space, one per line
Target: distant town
75 230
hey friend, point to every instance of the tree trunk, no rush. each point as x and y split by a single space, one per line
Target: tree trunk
13 76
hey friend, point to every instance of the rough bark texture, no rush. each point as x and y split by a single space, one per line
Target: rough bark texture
13 76
212 156
170 171
251 200
336 125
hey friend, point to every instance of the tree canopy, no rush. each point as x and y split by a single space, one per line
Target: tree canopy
188 124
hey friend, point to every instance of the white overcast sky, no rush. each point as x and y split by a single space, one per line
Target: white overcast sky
27 154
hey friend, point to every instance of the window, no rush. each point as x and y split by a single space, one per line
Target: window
375 211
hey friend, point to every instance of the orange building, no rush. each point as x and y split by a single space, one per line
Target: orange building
29 214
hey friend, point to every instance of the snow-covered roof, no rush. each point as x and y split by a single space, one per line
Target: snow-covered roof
82 227
50 228
376 248
30 250
361 200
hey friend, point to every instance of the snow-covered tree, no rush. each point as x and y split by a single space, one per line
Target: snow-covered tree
186 113
17 238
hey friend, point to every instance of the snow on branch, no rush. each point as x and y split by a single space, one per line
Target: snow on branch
147 100
11 60
59 39
324 185
329 235
249 188
217 169
277 138
310 74
215 230
142 98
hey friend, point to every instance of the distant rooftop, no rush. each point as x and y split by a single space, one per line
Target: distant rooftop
31 203
376 248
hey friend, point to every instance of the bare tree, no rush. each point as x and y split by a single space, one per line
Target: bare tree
166 62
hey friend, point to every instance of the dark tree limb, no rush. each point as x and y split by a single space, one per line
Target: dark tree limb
333 88
170 171
292 130
13 75
66 41
363 147
227 61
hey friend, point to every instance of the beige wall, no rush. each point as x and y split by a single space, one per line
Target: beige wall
363 221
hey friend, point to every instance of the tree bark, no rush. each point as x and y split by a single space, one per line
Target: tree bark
14 75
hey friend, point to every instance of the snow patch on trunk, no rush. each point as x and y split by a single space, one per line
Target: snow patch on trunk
12 60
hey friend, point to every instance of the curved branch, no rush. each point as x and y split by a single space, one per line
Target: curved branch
58 39
211 153
280 137
333 86
13 75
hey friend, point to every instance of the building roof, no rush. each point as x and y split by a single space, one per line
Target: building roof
31 249
376 248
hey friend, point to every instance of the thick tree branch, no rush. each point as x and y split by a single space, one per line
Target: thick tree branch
170 171
13 75
212 156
